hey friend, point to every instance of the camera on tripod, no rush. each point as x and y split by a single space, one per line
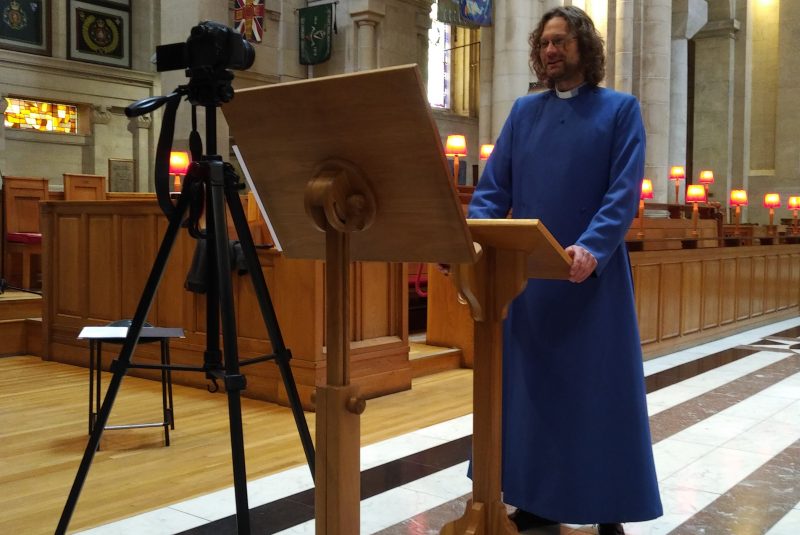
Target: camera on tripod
211 49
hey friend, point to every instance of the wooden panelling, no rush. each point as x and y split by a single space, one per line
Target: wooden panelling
691 297
723 290
669 298
683 297
102 265
745 281
101 254
449 322
71 268
794 281
771 284
710 293
647 280
727 309
757 286
784 274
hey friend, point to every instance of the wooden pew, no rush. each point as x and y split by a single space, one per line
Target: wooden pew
80 187
21 235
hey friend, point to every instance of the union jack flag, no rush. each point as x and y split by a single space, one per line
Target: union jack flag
248 17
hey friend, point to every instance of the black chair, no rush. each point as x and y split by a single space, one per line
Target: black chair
95 368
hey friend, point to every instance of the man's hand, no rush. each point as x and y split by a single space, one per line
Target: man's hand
583 263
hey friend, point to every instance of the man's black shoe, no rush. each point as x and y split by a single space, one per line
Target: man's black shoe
525 520
610 529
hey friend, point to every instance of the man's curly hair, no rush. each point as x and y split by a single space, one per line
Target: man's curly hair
590 45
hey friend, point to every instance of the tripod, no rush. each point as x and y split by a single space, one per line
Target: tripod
221 185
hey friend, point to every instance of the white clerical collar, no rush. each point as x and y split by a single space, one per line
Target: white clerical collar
574 92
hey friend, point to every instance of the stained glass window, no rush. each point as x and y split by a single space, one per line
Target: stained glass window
42 116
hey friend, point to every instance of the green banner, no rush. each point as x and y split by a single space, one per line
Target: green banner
449 12
316 34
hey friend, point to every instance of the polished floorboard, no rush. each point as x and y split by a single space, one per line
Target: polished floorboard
725 420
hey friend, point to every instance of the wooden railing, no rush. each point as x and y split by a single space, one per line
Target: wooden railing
97 256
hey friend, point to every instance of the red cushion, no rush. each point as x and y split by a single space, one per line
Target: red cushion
24 237
412 280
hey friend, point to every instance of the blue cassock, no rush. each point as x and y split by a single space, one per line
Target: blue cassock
576 437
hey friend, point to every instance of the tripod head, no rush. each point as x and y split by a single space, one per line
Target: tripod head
207 56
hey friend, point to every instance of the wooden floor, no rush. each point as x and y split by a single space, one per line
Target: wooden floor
43 433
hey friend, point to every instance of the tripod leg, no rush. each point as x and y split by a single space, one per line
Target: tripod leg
121 366
271 321
234 381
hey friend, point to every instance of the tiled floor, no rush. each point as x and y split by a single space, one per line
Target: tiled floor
725 421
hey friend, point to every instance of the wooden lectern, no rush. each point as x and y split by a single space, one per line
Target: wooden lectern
511 251
348 168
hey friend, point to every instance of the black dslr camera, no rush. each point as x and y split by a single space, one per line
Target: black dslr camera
211 49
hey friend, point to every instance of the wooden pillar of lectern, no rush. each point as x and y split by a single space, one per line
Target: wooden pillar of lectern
339 201
511 252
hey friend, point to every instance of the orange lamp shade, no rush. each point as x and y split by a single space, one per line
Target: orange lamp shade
696 193
677 172
647 189
794 203
706 177
456 145
178 162
772 200
486 150
738 197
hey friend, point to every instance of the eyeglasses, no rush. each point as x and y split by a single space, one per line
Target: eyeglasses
558 42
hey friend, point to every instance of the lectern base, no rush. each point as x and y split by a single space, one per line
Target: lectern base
338 469
482 519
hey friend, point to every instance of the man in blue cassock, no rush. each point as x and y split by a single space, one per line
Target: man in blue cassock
576 437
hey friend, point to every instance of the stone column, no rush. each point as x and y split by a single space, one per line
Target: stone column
714 92
787 144
485 133
688 16
101 137
366 53
422 23
623 47
513 22
367 16
144 165
654 92
742 102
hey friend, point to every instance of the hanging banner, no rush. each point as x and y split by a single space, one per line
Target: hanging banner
248 18
477 11
449 12
316 34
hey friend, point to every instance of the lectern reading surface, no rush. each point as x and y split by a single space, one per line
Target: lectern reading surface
378 120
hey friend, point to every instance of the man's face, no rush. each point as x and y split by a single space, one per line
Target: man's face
560 55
